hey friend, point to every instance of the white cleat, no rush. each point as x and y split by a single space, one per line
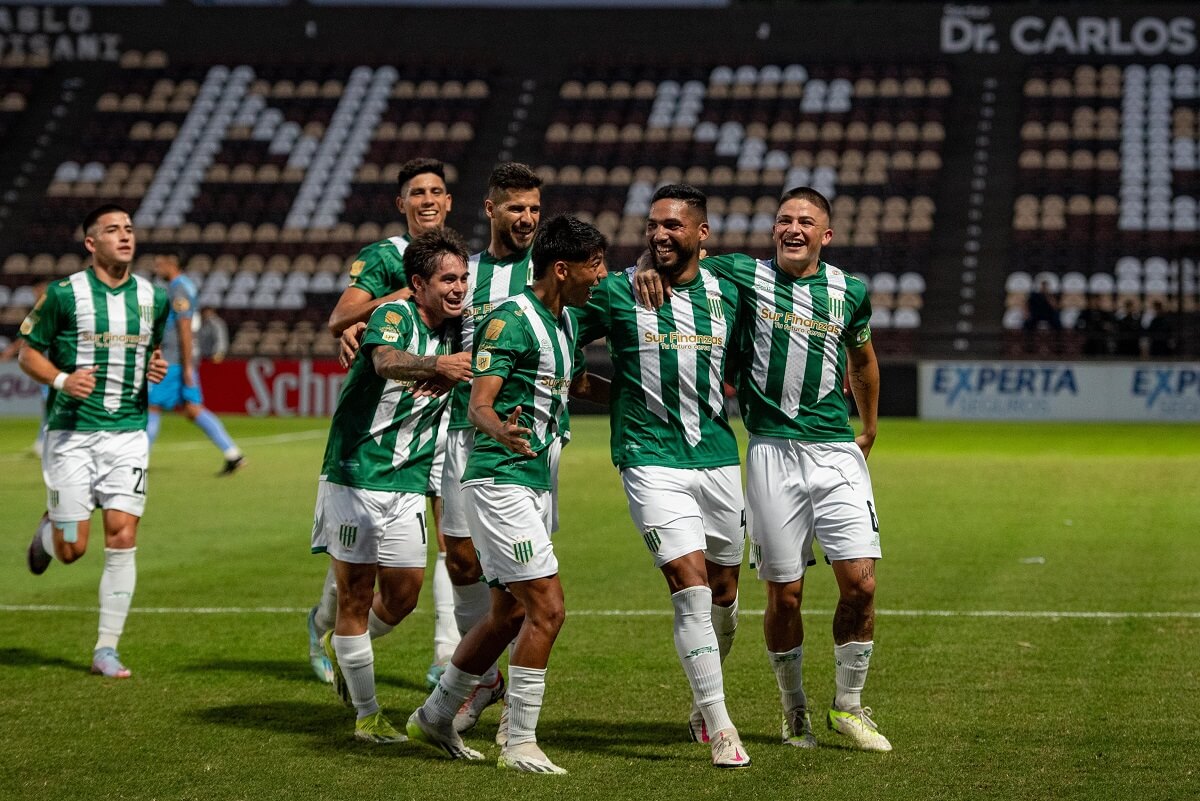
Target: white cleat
697 728
502 729
727 750
480 699
859 728
797 728
527 758
443 738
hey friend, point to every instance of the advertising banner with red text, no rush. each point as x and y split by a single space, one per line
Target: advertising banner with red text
263 387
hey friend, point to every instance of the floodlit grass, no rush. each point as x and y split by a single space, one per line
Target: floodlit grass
979 522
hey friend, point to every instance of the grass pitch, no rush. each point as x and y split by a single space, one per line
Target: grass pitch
1036 637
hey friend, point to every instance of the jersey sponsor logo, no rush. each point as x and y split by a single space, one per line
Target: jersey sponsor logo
790 321
107 339
523 551
347 534
493 330
652 539
483 360
391 318
180 304
391 336
674 340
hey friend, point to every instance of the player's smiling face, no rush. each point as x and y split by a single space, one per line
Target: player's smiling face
446 290
581 278
515 216
425 203
801 230
111 240
674 231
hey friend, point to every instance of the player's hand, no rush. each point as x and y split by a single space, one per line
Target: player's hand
156 368
511 435
455 367
348 344
432 387
79 384
648 284
864 442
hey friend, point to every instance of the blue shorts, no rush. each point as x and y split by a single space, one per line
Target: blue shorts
171 392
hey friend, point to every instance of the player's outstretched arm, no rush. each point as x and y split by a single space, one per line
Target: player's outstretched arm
348 344
400 365
482 414
355 306
864 385
78 384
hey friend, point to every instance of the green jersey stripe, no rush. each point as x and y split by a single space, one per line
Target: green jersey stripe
548 401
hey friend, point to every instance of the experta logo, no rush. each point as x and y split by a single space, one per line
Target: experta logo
1163 386
1014 382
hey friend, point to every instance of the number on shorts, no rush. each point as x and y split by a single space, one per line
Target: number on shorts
139 481
874 519
421 520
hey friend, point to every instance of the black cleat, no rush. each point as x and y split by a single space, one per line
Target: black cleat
232 466
36 556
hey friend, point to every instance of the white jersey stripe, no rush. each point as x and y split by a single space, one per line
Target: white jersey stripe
720 328
85 320
650 361
145 293
114 377
689 395
543 396
764 329
835 284
797 352
399 243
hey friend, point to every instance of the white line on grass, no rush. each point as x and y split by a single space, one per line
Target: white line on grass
984 613
195 445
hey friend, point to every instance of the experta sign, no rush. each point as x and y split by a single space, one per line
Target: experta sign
1141 392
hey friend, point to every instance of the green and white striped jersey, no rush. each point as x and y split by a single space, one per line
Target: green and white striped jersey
793 364
667 400
523 343
490 282
378 269
382 437
82 322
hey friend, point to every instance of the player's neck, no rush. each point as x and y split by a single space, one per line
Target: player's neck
799 269
501 252
686 275
111 275
549 291
430 317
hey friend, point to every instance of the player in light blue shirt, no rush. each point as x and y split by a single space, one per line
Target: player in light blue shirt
181 388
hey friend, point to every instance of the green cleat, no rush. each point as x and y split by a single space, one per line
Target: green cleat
322 665
443 738
377 729
859 728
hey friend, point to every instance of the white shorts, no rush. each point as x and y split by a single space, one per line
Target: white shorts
679 511
556 446
510 528
798 491
434 488
86 469
366 527
454 503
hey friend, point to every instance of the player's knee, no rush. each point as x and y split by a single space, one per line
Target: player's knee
860 594
724 587
548 617
68 552
461 562
400 605
785 601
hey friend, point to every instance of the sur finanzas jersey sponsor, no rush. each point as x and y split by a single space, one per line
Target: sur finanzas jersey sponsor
382 437
792 368
667 398
82 322
531 349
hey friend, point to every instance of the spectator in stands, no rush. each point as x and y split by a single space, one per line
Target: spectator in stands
213 336
1041 309
1128 329
1098 328
1158 332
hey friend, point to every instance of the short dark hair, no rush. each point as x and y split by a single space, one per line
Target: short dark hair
512 175
812 196
424 254
98 212
414 167
685 192
565 238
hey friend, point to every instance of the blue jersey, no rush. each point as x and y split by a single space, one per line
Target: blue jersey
182 294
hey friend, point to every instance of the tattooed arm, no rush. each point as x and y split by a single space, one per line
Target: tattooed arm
864 384
400 365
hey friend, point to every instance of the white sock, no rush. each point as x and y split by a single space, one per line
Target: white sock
852 660
376 627
526 688
232 453
724 623
453 688
326 615
46 532
116 594
789 675
356 659
471 604
445 627
696 644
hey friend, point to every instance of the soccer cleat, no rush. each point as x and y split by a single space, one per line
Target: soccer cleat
444 738
480 699
376 728
233 465
859 727
434 674
697 728
502 729
36 557
727 750
527 758
339 681
797 728
106 662
321 663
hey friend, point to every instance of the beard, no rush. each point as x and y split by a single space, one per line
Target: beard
509 241
682 257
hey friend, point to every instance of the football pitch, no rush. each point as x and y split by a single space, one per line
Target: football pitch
1038 636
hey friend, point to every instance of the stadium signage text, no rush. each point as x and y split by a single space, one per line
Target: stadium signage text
966 29
283 391
56 34
20 395
1059 391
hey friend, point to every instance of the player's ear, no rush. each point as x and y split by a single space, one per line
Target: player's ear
703 230
400 204
450 201
489 208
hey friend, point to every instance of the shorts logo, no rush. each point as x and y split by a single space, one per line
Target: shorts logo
523 551
755 556
347 534
652 539
54 498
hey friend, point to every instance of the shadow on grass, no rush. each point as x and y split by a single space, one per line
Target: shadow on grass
288 670
27 658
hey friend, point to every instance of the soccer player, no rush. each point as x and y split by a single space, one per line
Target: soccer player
672 442
93 338
806 471
377 276
523 370
370 513
513 207
181 388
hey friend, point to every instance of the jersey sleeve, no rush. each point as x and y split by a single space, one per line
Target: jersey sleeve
162 310
372 272
182 301
42 322
858 331
500 340
735 267
390 325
